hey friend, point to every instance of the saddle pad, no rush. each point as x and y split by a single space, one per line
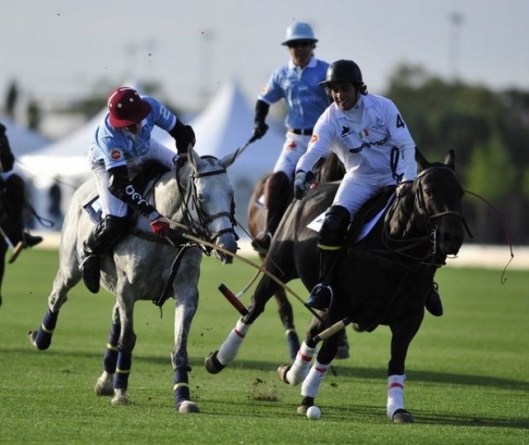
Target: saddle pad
316 223
94 209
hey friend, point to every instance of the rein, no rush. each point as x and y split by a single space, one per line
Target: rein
431 258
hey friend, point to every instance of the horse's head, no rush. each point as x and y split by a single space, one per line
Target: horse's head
213 201
438 196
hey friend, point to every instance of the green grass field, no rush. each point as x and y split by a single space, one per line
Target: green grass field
468 372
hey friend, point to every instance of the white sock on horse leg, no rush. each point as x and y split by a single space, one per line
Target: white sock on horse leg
230 348
311 385
395 394
299 369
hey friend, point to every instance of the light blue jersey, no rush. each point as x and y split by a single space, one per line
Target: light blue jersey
116 146
300 87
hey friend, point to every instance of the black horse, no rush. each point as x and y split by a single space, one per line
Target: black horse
329 170
12 205
382 279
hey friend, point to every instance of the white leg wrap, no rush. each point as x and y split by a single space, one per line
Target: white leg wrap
311 385
230 348
299 370
395 394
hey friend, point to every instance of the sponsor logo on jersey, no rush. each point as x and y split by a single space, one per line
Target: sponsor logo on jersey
116 154
314 139
292 145
368 145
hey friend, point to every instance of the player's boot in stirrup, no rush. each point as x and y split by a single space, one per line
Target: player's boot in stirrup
433 302
320 298
90 268
30 240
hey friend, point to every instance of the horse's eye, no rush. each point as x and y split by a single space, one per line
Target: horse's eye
428 192
200 196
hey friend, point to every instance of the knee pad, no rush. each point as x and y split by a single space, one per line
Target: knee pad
277 190
334 227
106 233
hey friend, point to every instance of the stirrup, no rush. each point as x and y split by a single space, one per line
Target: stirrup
320 298
433 302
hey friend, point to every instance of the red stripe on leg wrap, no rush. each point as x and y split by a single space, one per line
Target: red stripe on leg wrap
305 357
240 334
395 385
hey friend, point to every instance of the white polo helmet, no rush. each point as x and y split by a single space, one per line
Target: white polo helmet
299 31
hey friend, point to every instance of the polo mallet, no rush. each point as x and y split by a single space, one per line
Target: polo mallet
331 330
16 249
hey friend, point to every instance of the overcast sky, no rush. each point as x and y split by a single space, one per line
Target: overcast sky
61 48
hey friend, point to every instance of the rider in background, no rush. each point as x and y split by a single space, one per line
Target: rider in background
122 141
13 195
362 129
298 83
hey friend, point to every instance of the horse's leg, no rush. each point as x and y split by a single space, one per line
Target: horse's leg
403 331
186 292
287 318
104 385
218 360
302 371
41 338
126 343
66 278
3 251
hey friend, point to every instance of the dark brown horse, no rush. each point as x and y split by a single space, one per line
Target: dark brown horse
383 278
327 171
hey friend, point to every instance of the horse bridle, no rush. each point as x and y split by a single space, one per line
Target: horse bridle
431 224
422 206
190 198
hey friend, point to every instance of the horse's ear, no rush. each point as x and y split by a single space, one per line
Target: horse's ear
422 163
229 159
192 157
450 159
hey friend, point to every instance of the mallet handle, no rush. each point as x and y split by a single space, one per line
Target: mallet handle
331 330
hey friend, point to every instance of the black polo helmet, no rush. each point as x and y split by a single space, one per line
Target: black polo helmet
343 71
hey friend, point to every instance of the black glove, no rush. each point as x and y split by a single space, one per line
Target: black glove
186 137
260 130
301 186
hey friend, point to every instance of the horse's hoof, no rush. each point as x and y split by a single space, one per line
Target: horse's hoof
282 373
32 335
342 353
212 364
359 327
120 400
104 387
402 416
302 409
188 407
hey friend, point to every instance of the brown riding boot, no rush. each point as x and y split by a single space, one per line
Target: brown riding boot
276 201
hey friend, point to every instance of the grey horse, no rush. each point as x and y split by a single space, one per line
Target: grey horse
197 197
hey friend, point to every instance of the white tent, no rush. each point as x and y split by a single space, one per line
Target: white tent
22 140
225 125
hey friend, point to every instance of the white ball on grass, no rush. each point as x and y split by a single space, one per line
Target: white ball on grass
313 413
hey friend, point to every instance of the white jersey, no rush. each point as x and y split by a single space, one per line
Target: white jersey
363 138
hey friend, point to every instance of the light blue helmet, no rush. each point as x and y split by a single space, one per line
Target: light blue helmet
299 31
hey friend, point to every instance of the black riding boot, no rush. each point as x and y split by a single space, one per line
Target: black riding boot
330 241
321 296
433 302
30 240
100 240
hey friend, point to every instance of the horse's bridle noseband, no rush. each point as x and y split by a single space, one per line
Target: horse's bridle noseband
191 198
